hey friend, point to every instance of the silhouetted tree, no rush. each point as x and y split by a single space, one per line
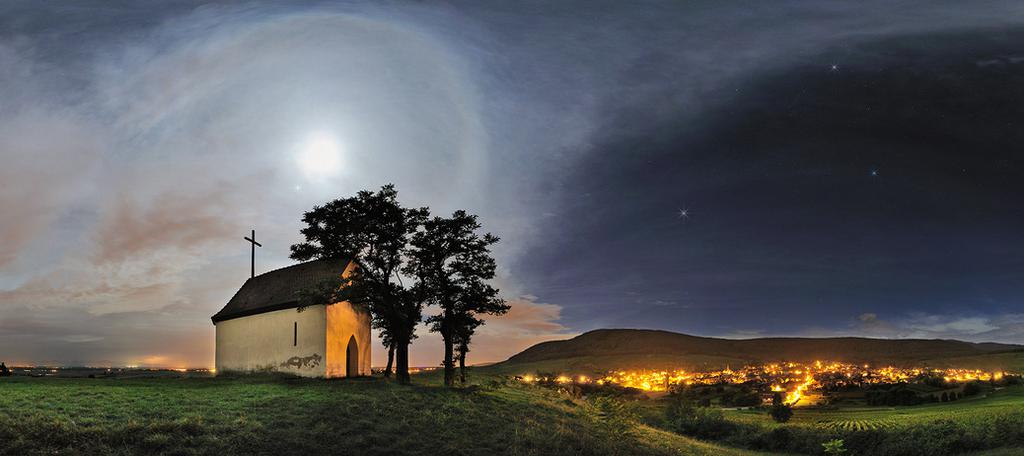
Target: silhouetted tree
389 344
741 397
452 264
4 371
372 229
780 411
463 336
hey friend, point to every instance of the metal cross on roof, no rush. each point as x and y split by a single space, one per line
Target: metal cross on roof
254 245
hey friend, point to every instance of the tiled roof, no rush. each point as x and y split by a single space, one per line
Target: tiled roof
279 289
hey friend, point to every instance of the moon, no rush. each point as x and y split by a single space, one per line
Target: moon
320 156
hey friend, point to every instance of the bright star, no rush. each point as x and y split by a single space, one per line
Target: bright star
874 173
684 213
834 67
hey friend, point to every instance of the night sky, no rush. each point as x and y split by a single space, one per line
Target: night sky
733 169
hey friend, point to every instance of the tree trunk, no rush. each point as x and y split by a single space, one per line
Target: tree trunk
462 363
449 363
391 361
449 348
402 361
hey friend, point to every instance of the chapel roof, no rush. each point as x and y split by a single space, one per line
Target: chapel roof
279 289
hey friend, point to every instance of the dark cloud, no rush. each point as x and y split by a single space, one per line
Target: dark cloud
889 181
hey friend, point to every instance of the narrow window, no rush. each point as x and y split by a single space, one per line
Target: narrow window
295 335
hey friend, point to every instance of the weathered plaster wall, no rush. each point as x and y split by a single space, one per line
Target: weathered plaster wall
264 342
343 321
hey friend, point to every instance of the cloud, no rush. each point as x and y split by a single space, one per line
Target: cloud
744 334
1001 328
48 160
1007 328
867 317
46 336
528 322
172 220
943 325
526 316
81 338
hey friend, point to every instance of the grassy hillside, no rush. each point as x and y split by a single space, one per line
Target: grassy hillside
607 349
1009 361
222 416
595 364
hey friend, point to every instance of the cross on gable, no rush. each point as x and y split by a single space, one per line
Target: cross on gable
255 244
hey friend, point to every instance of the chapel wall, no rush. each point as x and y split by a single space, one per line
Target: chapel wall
267 342
343 322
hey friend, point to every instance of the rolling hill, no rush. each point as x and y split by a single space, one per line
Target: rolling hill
607 349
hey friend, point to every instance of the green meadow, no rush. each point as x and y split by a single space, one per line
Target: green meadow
989 424
272 416
279 415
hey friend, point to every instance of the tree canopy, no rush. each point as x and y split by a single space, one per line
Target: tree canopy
452 264
372 230
405 260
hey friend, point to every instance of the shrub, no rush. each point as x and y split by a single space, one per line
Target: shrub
834 446
972 388
778 439
1011 380
615 416
678 408
707 423
779 411
743 398
899 395
702 422
494 384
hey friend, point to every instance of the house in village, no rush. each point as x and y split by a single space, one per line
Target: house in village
264 328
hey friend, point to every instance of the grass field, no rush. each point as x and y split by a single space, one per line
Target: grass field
274 415
996 404
990 425
254 415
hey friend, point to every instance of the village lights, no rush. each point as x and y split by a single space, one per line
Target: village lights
795 380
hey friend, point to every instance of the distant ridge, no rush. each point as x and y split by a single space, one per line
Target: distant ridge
625 348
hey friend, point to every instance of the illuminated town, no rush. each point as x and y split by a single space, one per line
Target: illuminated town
795 380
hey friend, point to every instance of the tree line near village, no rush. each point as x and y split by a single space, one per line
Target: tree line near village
405 260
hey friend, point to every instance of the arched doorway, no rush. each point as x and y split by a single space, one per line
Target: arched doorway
352 358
